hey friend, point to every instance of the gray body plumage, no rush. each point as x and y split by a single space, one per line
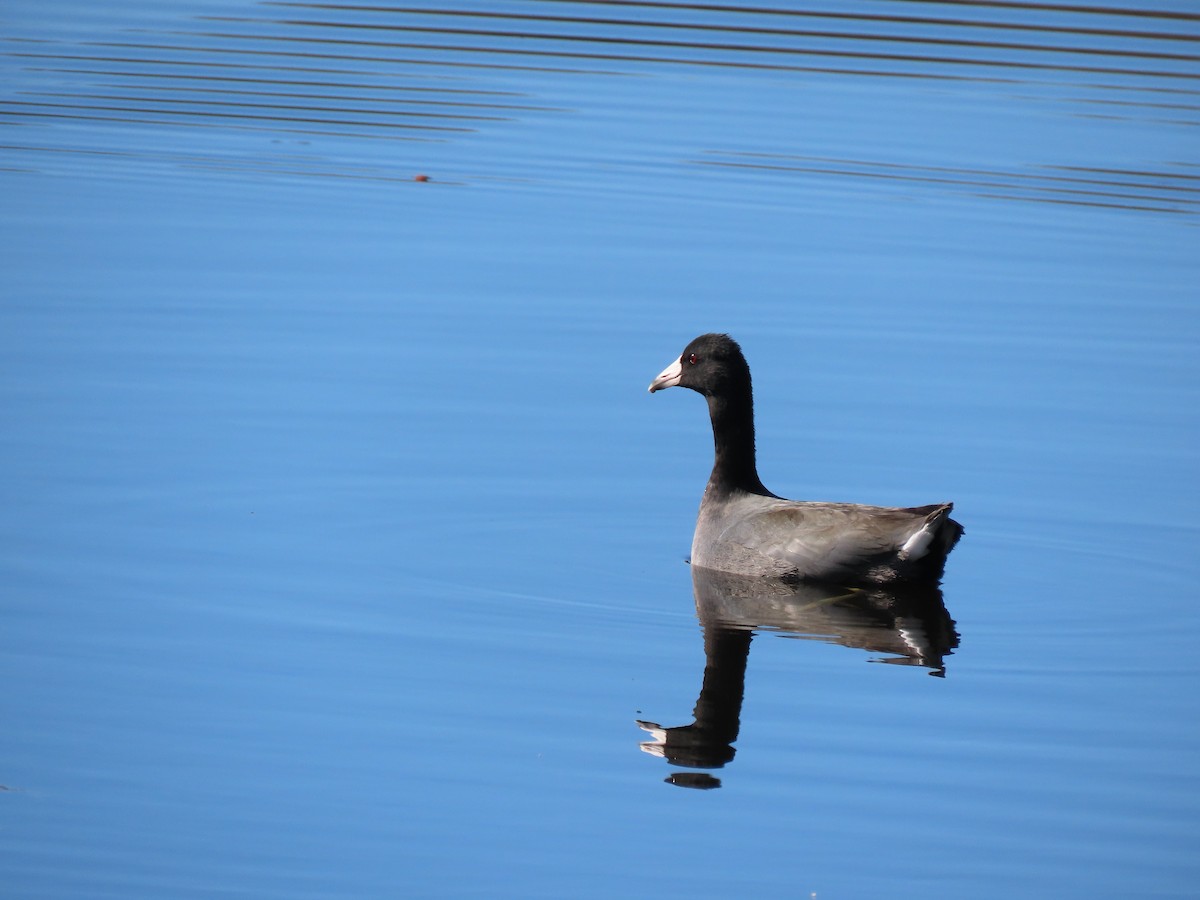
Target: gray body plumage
739 531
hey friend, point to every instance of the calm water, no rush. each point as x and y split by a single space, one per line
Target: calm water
342 549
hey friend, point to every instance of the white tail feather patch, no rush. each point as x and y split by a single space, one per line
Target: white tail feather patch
918 545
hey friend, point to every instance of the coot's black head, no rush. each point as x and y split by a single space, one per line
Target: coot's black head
712 364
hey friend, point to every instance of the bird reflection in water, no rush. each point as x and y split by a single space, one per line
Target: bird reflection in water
909 624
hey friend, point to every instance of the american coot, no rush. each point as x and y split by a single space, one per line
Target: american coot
745 529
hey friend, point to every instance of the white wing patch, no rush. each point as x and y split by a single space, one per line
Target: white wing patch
918 544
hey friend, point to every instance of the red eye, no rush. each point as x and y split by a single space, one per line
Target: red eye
693 359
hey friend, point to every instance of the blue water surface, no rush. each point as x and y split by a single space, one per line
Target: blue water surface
342 547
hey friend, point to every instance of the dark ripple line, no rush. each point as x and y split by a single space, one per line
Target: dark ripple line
989 173
819 35
31 148
1095 204
685 45
1135 172
782 32
289 95
358 86
270 54
181 159
958 182
290 168
279 106
183 123
390 60
298 95
221 115
1140 104
1068 8
1105 11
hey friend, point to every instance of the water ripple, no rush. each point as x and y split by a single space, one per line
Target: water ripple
445 73
1171 191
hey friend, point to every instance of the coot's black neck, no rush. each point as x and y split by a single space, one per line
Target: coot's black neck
732 414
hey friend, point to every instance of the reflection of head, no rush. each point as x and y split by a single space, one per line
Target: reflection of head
708 742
